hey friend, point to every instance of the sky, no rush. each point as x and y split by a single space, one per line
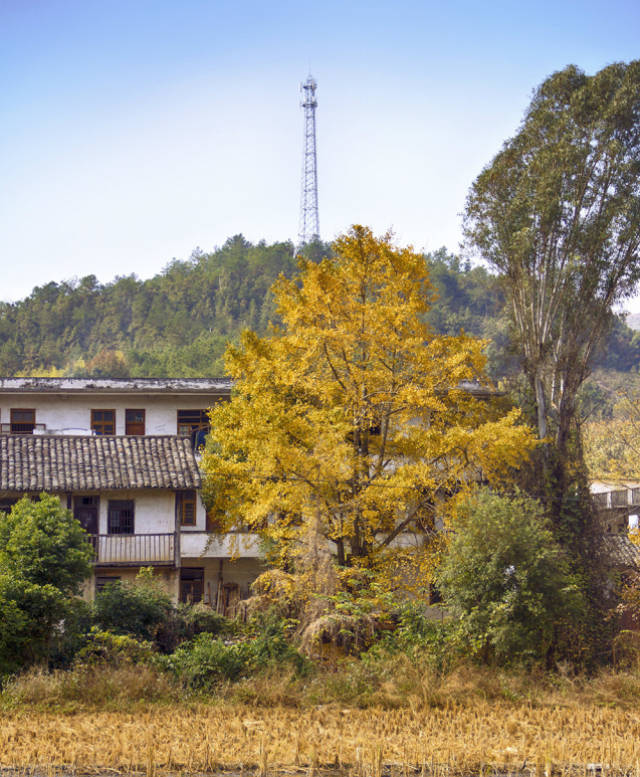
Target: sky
133 132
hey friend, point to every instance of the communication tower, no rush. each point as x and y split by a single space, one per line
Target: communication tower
309 221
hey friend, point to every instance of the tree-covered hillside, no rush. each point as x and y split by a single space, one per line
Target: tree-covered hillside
178 323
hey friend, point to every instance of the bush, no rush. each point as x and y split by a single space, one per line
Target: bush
269 641
140 609
104 647
197 619
206 660
420 638
32 622
508 582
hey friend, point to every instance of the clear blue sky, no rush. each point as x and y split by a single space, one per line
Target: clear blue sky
132 132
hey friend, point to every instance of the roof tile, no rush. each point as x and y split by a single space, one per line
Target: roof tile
66 463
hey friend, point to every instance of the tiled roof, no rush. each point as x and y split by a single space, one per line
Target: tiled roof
621 550
63 463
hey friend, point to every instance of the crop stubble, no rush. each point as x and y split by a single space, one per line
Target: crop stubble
203 738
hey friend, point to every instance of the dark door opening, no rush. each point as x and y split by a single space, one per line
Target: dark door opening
86 510
191 584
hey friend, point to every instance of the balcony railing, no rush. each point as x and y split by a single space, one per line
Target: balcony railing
617 498
133 549
22 428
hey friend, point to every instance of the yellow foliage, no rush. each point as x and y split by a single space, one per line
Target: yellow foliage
353 418
612 446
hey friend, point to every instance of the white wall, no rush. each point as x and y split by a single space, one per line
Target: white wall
154 510
73 411
195 545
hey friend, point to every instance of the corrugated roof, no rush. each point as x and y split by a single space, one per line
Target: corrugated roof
64 463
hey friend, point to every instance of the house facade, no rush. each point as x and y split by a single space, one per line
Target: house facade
123 456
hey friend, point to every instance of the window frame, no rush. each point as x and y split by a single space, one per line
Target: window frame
13 422
102 581
184 499
191 427
116 507
128 425
95 424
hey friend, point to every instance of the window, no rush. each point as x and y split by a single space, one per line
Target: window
103 421
193 424
191 584
6 503
120 516
23 421
85 511
105 580
134 421
186 505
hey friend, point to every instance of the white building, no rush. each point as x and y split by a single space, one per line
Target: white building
122 455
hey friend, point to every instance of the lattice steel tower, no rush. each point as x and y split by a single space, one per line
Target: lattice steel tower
309 221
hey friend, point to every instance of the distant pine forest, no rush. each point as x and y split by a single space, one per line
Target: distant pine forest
177 324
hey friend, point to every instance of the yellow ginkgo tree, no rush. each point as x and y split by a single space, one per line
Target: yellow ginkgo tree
352 419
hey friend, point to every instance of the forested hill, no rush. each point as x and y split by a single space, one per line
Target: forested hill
178 323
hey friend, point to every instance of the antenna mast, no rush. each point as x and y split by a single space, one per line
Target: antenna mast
309 222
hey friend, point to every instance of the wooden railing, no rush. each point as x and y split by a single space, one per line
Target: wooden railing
617 498
133 549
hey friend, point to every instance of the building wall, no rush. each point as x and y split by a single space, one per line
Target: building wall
218 572
73 412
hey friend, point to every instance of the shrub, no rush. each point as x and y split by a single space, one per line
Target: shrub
44 557
420 638
104 647
32 619
197 619
139 609
269 641
207 660
507 580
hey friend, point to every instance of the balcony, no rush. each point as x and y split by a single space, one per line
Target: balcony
133 550
23 428
619 498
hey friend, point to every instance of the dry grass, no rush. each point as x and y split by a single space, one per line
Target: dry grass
104 687
205 737
469 719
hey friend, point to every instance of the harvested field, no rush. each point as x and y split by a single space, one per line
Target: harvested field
203 738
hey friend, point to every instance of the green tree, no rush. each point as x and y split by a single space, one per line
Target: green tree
44 558
43 544
32 621
508 582
557 214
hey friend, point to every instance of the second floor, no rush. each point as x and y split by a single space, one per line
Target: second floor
135 407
